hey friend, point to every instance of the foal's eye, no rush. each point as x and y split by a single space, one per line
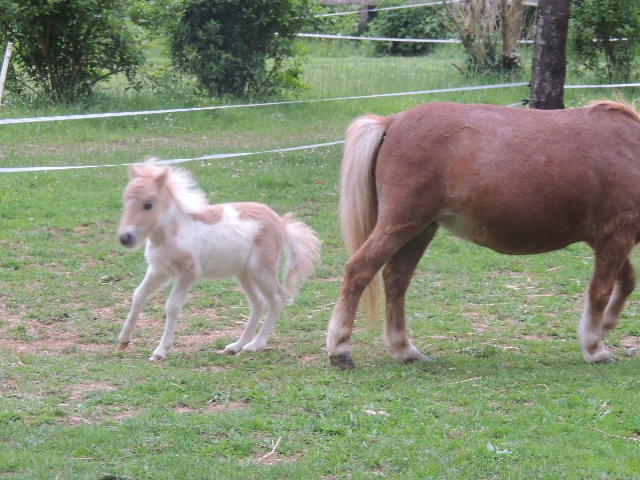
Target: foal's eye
148 205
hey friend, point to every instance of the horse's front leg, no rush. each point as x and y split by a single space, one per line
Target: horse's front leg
174 304
152 282
611 257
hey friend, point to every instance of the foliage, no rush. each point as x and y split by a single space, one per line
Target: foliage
63 48
335 24
605 37
422 22
239 47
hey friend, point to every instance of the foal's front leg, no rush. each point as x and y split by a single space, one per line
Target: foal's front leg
152 282
174 304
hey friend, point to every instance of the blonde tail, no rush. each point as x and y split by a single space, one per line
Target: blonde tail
303 254
358 204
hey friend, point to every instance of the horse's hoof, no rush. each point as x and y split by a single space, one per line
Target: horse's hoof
417 357
156 358
122 346
604 360
409 355
632 352
343 361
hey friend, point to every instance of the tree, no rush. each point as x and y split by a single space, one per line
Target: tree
238 47
63 48
550 57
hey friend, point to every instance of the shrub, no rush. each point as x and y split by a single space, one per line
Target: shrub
605 35
63 48
419 22
239 47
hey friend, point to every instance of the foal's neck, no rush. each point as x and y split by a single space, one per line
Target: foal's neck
167 226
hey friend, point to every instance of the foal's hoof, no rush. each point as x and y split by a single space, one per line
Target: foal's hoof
343 361
122 346
156 357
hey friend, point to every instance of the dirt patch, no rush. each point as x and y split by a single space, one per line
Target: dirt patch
116 416
82 390
212 408
22 335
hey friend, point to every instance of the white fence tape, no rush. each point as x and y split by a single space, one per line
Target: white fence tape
244 154
389 39
398 7
173 161
56 118
377 39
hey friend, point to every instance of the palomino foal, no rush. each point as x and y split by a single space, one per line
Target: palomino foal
518 181
188 240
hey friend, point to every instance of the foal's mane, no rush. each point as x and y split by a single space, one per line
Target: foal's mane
619 106
183 188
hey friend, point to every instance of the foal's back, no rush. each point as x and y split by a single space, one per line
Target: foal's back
223 238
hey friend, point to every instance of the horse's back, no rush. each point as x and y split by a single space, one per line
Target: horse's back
515 180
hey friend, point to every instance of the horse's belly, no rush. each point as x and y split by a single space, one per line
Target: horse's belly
515 237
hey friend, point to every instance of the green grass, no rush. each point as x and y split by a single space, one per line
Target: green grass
506 396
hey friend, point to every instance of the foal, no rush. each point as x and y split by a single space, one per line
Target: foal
188 240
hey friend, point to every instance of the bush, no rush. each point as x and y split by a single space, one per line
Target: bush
595 24
63 48
239 47
419 22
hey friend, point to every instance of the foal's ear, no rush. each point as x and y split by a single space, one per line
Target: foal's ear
162 176
134 170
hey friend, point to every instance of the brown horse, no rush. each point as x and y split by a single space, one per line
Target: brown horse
518 181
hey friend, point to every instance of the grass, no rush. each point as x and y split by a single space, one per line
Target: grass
507 395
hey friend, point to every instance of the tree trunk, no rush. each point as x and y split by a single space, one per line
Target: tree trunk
550 56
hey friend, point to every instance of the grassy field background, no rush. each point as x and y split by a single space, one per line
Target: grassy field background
506 395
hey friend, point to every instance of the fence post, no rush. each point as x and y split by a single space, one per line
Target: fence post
5 68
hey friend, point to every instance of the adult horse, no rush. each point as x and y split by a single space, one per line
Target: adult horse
517 181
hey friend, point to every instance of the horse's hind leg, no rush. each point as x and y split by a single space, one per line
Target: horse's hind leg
381 245
611 260
256 304
397 275
153 281
623 287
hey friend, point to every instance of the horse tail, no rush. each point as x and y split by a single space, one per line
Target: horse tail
358 202
303 254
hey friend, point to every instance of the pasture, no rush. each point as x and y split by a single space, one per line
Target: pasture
507 394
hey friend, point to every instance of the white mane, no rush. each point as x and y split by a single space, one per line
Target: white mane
189 197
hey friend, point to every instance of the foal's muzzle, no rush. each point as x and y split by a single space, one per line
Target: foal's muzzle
127 240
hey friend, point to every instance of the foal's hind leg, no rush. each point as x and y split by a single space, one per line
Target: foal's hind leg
625 283
274 295
397 276
256 304
611 260
381 245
